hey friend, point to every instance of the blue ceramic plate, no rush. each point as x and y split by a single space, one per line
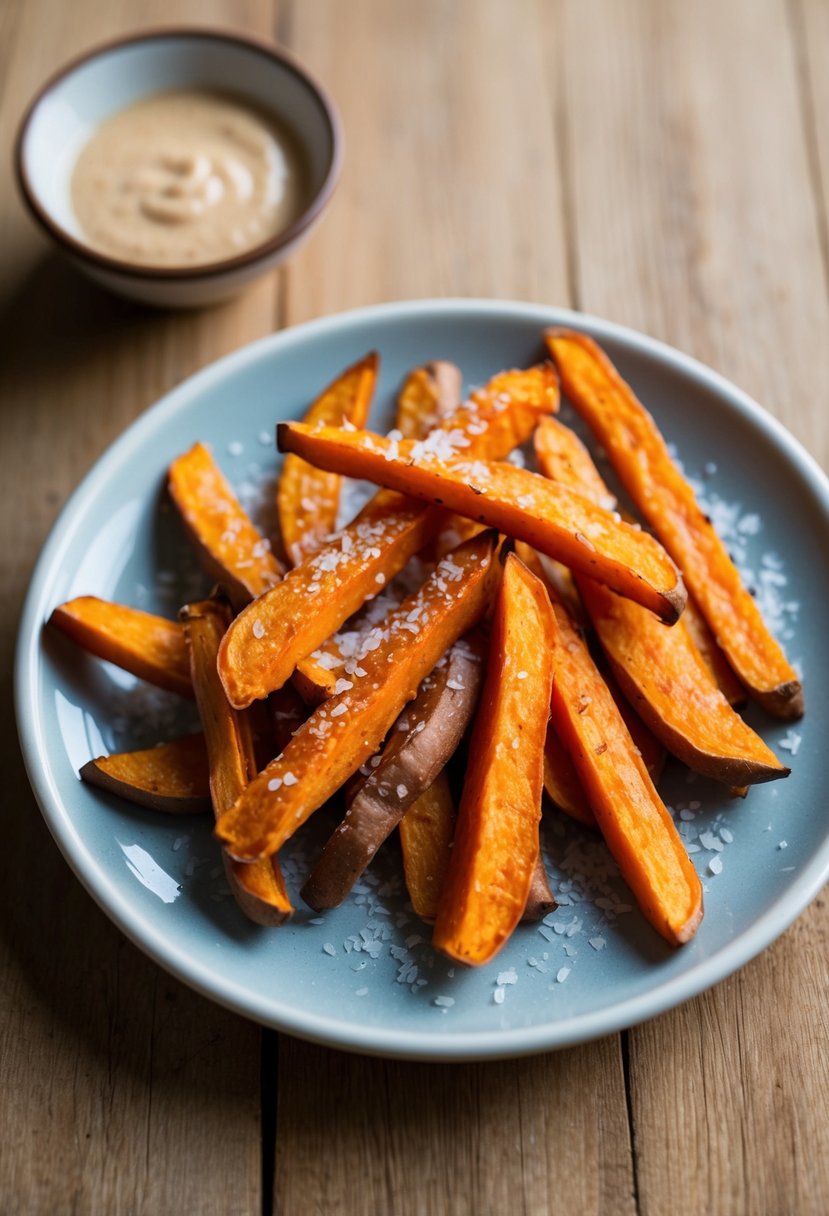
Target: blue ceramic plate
364 976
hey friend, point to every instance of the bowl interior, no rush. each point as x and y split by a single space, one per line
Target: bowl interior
70 109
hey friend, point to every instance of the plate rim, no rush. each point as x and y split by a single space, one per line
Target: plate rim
388 1042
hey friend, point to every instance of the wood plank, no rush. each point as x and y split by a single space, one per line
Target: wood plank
450 187
369 1137
123 1090
695 220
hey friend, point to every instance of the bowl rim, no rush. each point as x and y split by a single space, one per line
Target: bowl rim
284 238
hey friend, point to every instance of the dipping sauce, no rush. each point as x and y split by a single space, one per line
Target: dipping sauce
186 178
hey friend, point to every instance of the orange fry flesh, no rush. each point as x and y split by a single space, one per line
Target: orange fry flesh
344 732
259 889
307 498
271 638
640 456
426 839
146 645
170 777
633 819
561 782
429 395
660 671
232 548
496 842
549 516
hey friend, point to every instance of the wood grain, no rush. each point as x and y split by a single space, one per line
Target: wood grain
681 230
123 1091
371 1137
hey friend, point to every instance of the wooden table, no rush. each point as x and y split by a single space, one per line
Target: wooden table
664 164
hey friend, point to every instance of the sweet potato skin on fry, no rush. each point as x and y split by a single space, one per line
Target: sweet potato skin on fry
231 548
347 729
634 822
496 845
420 744
258 889
307 498
547 515
269 639
640 456
171 778
146 645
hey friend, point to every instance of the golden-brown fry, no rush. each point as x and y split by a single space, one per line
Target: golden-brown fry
259 889
546 514
307 499
231 547
345 731
634 822
641 458
661 672
496 840
146 645
269 639
426 841
429 395
171 777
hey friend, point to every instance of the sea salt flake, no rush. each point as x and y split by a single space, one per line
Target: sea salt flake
784 844
258 629
498 995
275 783
507 977
598 943
444 1002
715 865
328 948
562 973
522 675
290 779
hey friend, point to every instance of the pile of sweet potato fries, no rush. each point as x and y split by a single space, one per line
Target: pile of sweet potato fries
550 639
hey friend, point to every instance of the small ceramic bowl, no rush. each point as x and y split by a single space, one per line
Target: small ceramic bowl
92 88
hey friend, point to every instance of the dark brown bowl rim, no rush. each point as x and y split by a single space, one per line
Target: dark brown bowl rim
208 269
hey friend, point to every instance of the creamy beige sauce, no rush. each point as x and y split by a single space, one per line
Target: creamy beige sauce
186 178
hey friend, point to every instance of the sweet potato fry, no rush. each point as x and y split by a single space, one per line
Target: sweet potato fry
258 889
661 671
426 840
712 655
563 457
496 840
540 899
561 782
231 548
146 645
347 729
268 640
641 459
634 822
429 395
171 777
546 514
423 740
307 499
